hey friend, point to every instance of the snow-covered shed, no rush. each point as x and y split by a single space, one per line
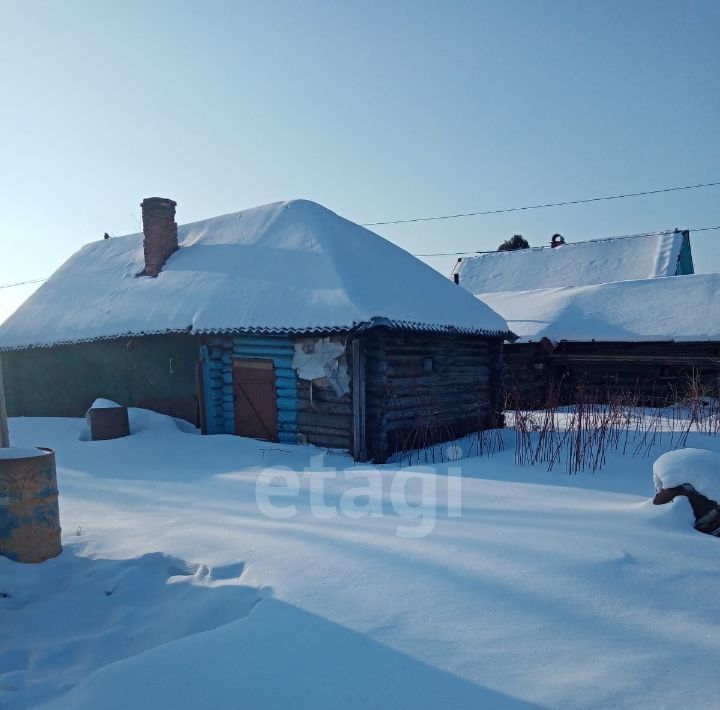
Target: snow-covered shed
648 335
284 322
577 264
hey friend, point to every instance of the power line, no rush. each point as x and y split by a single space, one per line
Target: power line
22 283
463 253
619 236
549 204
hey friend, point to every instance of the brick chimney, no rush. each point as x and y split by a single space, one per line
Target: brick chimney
160 230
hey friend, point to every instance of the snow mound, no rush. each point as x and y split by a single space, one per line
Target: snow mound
101 403
145 420
73 615
286 267
698 467
677 308
142 420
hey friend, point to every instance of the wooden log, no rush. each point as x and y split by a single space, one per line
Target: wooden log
435 380
328 441
306 420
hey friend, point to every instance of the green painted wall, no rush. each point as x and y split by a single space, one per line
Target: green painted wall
685 260
63 381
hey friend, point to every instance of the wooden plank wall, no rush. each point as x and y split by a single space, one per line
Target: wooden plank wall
525 374
655 372
426 388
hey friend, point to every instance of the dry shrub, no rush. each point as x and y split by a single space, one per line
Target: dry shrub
580 435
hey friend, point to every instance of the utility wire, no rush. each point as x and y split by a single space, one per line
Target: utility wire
549 204
580 241
22 283
467 253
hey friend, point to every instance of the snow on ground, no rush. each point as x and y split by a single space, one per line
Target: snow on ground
175 591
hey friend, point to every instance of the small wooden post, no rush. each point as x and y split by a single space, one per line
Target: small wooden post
4 433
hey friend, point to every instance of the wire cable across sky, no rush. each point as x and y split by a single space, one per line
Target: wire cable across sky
595 239
467 253
543 206
505 210
23 283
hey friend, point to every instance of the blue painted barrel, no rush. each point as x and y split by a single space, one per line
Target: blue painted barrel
29 513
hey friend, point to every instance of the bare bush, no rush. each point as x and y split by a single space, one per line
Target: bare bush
580 435
575 437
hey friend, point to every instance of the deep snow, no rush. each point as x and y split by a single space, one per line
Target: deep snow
677 308
245 271
548 591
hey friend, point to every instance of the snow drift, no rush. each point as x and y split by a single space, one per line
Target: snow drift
677 308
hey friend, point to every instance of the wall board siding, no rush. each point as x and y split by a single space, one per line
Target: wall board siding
64 380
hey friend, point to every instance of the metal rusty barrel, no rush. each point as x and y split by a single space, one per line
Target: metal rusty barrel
29 513
108 423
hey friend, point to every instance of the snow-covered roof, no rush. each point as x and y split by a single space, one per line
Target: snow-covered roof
680 308
284 267
572 264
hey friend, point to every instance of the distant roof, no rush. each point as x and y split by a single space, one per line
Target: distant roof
282 268
681 308
573 264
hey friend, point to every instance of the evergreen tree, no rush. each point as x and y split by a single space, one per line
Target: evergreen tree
516 242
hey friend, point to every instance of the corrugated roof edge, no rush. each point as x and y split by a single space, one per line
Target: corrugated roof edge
374 323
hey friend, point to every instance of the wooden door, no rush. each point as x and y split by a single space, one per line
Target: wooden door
255 401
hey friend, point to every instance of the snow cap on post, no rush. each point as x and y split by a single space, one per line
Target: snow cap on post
160 233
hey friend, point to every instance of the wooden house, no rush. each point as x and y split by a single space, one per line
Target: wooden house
284 322
650 338
579 328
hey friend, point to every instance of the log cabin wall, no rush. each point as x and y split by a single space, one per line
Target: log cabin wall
655 372
525 374
417 389
218 380
426 388
324 418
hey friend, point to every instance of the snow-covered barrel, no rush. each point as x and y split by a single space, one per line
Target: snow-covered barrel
29 513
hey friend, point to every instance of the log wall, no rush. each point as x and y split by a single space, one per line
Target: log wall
655 372
323 417
219 400
426 388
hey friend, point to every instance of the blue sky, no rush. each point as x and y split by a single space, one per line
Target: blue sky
377 110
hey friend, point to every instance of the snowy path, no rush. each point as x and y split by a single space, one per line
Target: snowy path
548 591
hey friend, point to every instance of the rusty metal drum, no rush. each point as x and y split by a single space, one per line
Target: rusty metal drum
108 423
29 512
